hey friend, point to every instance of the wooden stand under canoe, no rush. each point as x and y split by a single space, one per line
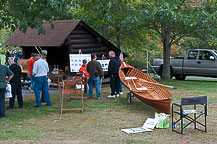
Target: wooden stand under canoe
145 88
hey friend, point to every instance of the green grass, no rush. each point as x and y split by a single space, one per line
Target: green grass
103 120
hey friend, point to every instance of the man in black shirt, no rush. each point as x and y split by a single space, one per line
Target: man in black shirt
7 55
15 84
113 68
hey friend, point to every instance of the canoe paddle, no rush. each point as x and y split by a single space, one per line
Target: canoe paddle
142 80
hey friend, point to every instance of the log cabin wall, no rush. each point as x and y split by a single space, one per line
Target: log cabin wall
56 55
82 39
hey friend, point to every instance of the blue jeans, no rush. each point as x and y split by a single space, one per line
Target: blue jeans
32 81
85 89
120 85
41 84
91 81
2 102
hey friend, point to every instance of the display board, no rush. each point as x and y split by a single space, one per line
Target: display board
76 61
104 64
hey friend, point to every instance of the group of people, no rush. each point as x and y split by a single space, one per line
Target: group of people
37 68
13 54
94 73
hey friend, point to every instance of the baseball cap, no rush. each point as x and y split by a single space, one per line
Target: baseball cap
44 52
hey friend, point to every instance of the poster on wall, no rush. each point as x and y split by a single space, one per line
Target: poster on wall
104 64
76 61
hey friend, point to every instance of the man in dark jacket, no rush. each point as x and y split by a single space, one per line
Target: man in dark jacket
4 71
95 71
7 55
113 68
15 84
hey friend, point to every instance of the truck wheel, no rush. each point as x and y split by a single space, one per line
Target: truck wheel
180 77
161 73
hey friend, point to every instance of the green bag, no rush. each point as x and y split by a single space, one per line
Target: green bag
163 124
163 120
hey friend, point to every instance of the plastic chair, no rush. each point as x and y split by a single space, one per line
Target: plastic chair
68 87
187 114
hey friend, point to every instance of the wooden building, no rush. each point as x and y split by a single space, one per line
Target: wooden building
67 37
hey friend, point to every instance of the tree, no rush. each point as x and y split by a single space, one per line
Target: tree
107 16
174 20
32 13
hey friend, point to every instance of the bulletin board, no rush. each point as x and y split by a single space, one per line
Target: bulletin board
76 61
104 64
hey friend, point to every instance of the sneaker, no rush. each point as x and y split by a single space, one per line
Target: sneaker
117 95
111 96
99 98
121 93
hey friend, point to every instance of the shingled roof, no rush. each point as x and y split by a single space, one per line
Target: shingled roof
53 37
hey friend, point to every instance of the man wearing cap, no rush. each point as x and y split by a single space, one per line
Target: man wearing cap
85 74
43 56
40 70
4 71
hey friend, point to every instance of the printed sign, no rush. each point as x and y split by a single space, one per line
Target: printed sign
76 61
104 64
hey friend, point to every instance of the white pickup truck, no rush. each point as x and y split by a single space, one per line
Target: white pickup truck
196 62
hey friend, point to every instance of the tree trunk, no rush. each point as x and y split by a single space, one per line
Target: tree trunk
166 52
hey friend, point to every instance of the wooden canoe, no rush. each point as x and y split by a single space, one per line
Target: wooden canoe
145 88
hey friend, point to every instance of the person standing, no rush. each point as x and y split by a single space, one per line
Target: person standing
95 71
44 57
7 55
113 68
30 63
40 70
15 84
4 71
121 58
85 74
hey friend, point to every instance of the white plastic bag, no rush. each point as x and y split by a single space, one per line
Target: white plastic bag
49 82
8 91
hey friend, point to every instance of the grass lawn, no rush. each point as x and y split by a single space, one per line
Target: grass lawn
103 120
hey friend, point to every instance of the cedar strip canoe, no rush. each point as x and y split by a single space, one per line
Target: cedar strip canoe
151 92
